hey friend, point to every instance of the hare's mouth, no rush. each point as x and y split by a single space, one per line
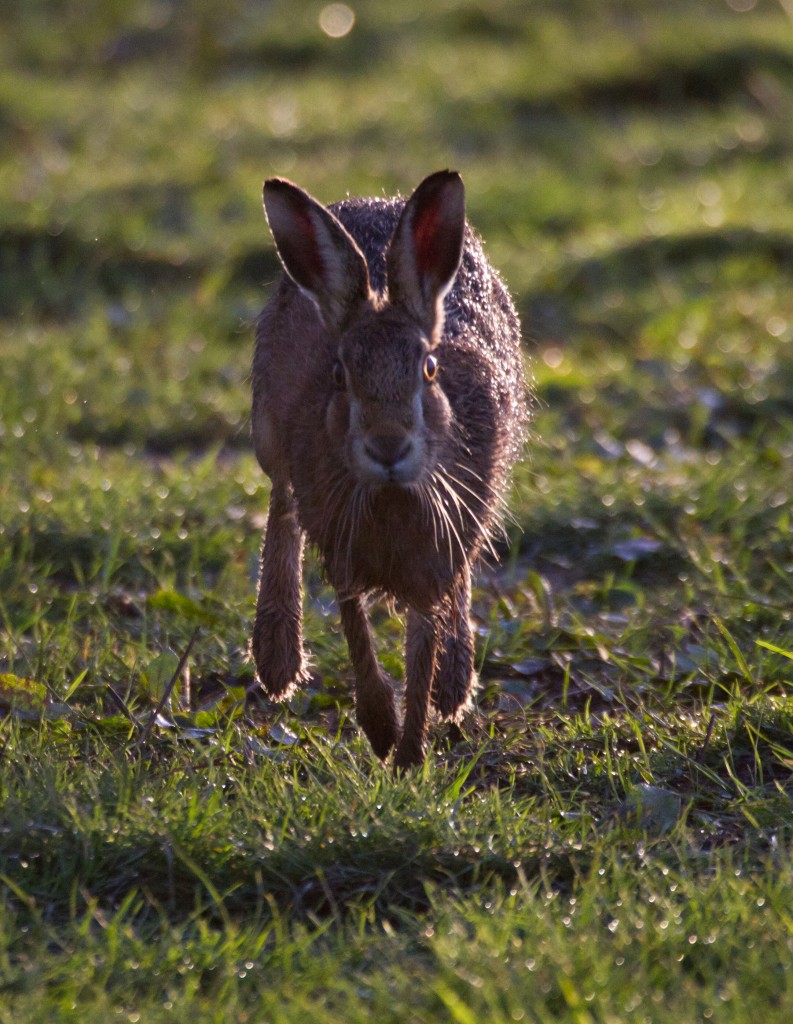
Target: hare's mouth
378 477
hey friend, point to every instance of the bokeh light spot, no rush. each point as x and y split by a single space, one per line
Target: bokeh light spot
336 20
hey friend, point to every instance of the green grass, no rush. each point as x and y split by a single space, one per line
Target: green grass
611 838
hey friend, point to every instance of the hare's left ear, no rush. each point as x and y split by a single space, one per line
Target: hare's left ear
425 250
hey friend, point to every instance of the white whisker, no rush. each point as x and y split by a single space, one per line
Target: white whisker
463 507
338 493
427 509
499 502
452 532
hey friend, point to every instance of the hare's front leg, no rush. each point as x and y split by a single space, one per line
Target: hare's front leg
374 695
277 643
455 675
421 658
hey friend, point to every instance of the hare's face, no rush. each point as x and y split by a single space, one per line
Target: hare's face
388 401
388 415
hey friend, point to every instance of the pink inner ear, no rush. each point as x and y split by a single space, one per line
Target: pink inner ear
304 247
309 251
428 240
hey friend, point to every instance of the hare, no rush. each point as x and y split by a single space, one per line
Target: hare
389 404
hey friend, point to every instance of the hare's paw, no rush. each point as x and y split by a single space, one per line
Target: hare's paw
278 655
409 754
454 678
375 711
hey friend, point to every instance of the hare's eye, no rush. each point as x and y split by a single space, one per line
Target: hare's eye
430 368
339 377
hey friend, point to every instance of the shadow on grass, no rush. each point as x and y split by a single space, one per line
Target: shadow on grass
745 71
634 263
640 264
55 273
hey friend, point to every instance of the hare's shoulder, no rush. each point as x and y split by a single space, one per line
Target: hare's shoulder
479 303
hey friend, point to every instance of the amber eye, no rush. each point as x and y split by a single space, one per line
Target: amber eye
339 378
430 368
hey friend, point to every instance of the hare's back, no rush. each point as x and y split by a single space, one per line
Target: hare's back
371 222
478 303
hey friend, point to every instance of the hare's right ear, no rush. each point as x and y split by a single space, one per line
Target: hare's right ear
317 252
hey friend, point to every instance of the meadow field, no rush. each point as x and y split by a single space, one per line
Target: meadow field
609 838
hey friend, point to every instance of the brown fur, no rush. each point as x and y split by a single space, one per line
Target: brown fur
394 477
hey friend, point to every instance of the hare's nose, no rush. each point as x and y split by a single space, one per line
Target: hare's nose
388 449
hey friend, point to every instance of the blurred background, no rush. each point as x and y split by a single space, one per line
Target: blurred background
622 160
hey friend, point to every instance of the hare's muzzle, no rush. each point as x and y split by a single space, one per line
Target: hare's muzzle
387 450
388 458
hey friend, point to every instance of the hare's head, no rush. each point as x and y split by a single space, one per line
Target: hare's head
386 401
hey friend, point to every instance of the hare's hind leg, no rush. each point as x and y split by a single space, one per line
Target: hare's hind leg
454 678
374 695
421 657
277 643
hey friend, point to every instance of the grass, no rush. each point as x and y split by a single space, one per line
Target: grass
610 840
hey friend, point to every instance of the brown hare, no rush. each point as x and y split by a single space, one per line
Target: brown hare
389 404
